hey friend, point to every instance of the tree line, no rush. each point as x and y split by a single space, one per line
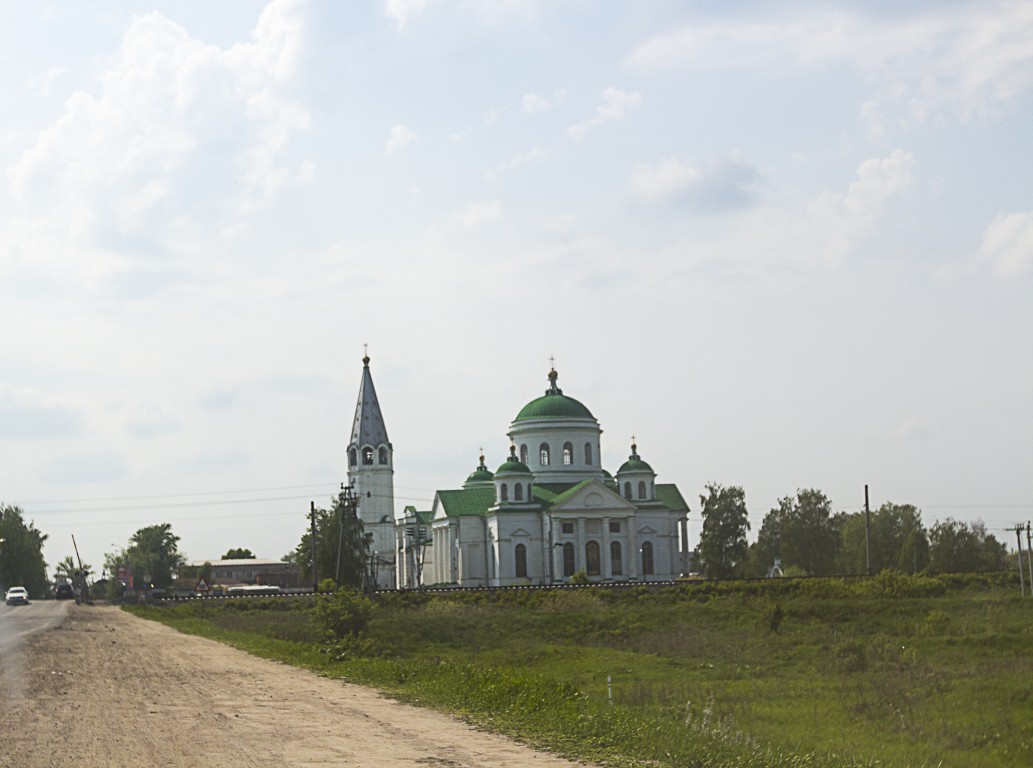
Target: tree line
805 537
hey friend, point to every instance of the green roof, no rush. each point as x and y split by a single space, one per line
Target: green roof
513 466
669 495
554 405
469 501
480 476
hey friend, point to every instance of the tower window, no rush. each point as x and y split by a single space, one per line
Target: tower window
503 492
627 490
518 492
647 558
543 454
642 489
568 454
383 455
588 454
592 558
367 455
353 457
523 454
520 561
616 566
568 559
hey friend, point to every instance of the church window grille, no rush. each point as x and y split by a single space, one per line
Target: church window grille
520 561
523 454
642 489
567 527
543 454
592 567
367 456
616 566
568 454
353 457
647 558
568 559
615 526
383 455
627 490
588 454
518 492
503 492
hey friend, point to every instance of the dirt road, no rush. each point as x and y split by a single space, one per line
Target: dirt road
106 689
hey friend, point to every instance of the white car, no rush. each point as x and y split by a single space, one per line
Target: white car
17 595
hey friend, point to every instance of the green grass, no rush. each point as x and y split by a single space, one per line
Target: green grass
892 671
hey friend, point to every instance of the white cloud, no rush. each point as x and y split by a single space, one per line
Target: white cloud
615 106
1008 244
478 213
725 183
402 10
400 137
173 135
967 62
535 102
533 154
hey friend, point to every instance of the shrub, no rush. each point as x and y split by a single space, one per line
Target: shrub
343 614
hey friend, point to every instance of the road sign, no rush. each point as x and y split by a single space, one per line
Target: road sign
202 585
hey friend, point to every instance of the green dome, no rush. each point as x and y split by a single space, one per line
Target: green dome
480 476
513 466
554 407
634 465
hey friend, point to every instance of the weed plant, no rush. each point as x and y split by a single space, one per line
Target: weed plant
890 671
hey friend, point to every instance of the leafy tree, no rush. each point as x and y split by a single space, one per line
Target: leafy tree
801 532
722 542
957 547
239 554
21 553
342 546
153 551
897 537
343 614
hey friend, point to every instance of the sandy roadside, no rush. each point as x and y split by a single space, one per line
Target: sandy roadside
108 689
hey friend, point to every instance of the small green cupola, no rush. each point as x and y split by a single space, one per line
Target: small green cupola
636 480
481 477
513 481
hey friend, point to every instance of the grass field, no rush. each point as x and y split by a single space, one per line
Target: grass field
890 671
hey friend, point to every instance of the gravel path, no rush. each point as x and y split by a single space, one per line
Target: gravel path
107 689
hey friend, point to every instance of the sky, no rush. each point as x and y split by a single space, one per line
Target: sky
784 246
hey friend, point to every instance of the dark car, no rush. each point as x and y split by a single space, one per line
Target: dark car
64 592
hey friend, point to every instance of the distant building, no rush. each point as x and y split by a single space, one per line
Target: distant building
548 512
248 571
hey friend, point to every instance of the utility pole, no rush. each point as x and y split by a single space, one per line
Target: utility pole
1029 558
315 577
1018 538
867 533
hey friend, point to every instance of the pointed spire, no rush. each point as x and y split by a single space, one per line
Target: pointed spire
368 427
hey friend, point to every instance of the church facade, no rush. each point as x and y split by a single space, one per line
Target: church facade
549 514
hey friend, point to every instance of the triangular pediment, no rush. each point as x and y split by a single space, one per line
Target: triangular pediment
590 496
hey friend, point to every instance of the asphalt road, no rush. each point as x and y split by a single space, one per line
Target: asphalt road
19 621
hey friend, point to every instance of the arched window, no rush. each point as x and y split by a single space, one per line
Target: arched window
383 455
520 561
568 454
616 566
353 457
627 490
503 492
588 454
592 567
642 489
568 559
647 558
518 492
367 455
523 454
543 454
530 496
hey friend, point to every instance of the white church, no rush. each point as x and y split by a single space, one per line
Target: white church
550 511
